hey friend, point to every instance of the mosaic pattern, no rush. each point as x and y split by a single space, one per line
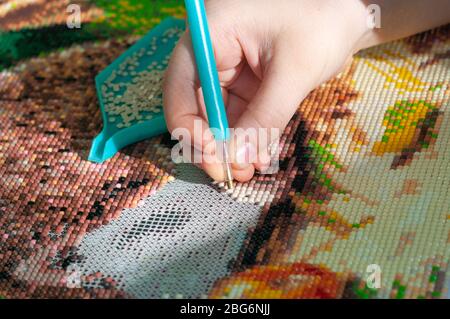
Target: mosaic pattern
364 179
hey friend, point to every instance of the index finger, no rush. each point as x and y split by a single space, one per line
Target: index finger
181 104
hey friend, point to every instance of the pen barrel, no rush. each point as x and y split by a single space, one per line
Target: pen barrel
207 68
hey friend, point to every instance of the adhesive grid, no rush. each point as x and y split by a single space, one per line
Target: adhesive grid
364 180
177 243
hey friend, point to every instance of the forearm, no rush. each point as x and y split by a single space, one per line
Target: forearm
402 18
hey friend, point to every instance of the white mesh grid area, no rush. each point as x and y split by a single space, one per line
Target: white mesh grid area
177 243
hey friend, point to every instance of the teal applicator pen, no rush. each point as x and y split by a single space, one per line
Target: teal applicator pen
209 77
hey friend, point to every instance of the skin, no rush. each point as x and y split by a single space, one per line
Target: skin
271 53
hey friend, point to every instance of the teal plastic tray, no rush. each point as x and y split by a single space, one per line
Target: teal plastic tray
159 44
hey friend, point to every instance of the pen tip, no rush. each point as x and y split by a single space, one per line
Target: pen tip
229 176
228 172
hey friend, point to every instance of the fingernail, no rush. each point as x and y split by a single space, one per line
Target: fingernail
210 147
208 143
264 161
244 156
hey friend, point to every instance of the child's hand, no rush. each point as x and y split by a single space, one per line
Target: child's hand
270 54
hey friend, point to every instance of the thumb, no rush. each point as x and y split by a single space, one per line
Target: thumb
282 89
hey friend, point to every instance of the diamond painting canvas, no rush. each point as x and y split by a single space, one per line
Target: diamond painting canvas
363 185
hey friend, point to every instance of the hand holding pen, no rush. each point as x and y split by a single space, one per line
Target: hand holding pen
271 53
